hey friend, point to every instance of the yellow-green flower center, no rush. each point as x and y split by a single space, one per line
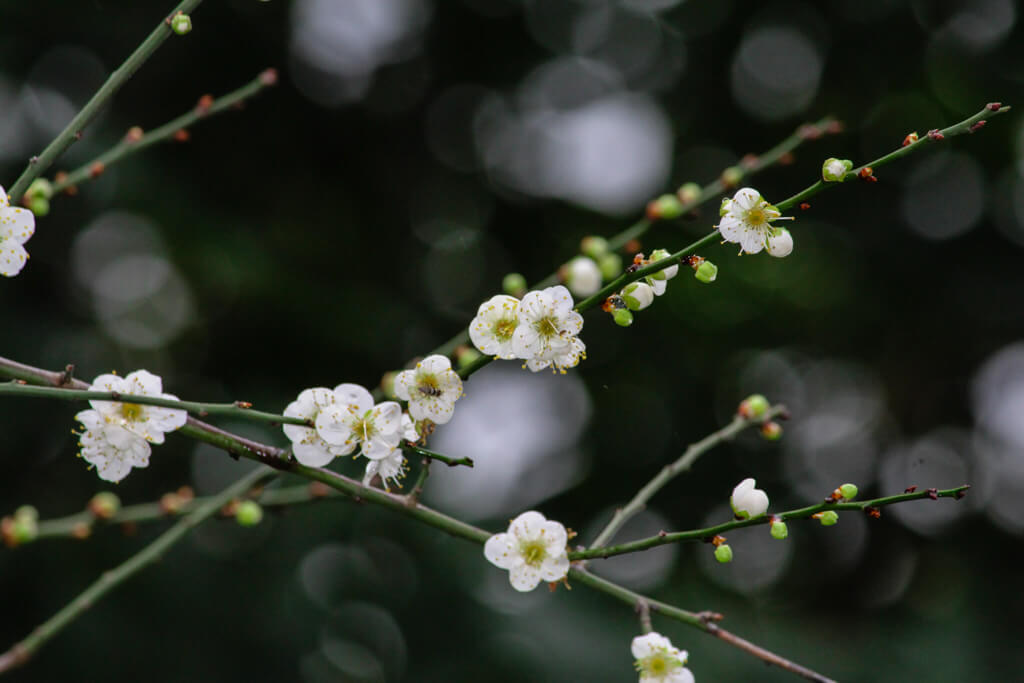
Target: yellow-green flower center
363 427
658 664
546 327
504 328
757 217
428 385
533 551
131 412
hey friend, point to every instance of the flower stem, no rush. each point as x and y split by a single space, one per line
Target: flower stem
67 137
446 459
126 147
683 464
800 513
20 652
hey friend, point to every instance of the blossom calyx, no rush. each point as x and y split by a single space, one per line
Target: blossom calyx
835 170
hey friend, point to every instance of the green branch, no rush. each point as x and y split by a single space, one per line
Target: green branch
67 137
128 147
800 513
446 459
20 652
239 409
683 464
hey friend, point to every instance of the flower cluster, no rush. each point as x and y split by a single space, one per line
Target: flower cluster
16 227
118 434
532 550
540 329
657 660
346 418
746 219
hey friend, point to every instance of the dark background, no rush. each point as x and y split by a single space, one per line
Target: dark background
356 215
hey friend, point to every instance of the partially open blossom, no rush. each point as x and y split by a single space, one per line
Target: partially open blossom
658 661
835 170
659 281
495 322
431 389
547 330
532 550
583 276
638 295
149 422
16 226
748 502
747 220
391 469
109 447
352 419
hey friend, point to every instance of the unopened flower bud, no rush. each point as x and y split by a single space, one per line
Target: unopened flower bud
24 529
723 553
387 384
779 529
835 170
748 502
772 431
753 407
248 513
664 207
582 276
732 176
623 317
779 243
39 206
667 273
827 518
594 246
848 491
706 272
689 193
610 265
104 505
181 23
638 295
514 284
40 187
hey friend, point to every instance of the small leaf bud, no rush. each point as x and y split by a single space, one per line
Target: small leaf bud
910 139
181 23
779 530
827 518
848 491
664 207
104 505
732 176
689 193
779 243
706 272
514 284
248 513
623 317
772 431
610 265
723 553
753 407
638 295
835 170
594 246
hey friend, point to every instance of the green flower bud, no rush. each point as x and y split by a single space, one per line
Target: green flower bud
39 206
104 505
667 273
706 272
248 513
779 530
514 284
689 193
638 295
772 431
848 491
754 407
622 317
40 187
24 529
723 553
664 207
835 170
181 23
610 265
828 517
732 176
594 246
27 512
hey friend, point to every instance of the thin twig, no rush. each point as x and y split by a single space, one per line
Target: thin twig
683 464
446 459
67 137
20 652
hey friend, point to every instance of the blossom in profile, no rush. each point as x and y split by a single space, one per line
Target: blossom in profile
149 422
546 335
307 446
748 502
353 419
110 448
779 244
390 468
495 322
16 227
657 660
746 219
431 389
532 550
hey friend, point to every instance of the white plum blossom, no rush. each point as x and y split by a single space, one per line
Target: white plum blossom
16 227
746 219
390 468
532 550
495 322
409 431
638 295
748 502
149 422
352 419
779 244
546 335
583 276
307 446
657 660
110 448
431 389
